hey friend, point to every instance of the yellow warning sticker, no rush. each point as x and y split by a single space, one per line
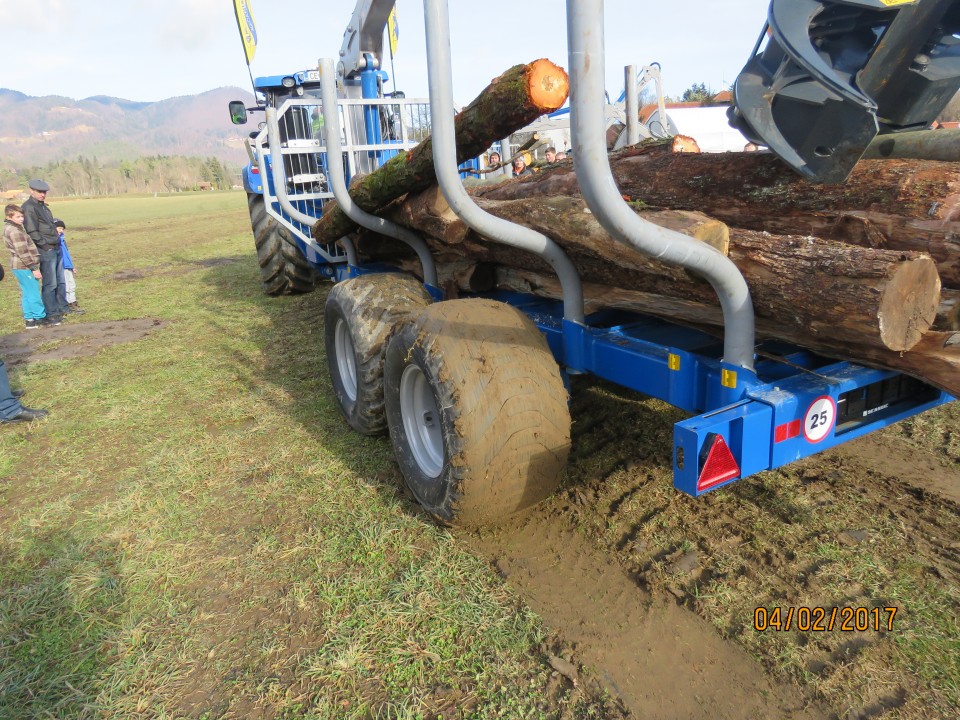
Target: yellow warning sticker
673 362
728 378
894 3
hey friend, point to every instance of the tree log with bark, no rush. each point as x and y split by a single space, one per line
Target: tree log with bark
515 99
812 289
838 299
893 204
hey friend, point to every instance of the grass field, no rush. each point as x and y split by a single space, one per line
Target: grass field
194 533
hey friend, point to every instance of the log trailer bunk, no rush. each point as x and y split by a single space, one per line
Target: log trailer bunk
472 390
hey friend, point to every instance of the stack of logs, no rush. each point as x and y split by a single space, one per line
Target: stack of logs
853 271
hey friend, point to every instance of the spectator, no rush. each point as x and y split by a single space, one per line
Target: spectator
66 284
561 156
551 154
25 263
494 165
520 167
11 410
39 224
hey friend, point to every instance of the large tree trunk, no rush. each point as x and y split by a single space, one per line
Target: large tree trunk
891 204
515 99
822 291
935 359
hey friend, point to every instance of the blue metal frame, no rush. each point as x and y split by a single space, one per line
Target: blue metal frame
764 416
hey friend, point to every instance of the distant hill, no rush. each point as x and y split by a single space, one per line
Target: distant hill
35 131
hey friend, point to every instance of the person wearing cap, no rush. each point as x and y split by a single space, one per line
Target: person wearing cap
66 284
39 223
520 167
25 263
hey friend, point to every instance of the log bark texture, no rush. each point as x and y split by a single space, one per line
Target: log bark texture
816 291
909 205
935 359
516 98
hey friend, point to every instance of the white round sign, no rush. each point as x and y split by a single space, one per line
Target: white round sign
820 419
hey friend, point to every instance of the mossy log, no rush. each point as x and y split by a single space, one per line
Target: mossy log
515 99
890 204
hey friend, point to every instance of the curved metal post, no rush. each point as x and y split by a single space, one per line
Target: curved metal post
437 18
633 104
280 185
331 132
585 44
505 158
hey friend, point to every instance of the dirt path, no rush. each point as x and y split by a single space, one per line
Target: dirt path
73 339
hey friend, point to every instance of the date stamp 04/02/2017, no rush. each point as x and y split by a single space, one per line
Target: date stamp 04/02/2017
824 619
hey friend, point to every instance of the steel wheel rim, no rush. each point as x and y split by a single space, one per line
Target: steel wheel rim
421 421
346 359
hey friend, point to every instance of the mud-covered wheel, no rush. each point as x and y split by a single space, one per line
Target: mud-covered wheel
283 268
360 315
477 411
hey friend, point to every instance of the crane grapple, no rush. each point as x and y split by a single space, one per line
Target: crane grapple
827 77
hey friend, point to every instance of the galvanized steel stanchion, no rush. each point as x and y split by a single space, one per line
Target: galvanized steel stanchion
331 132
437 25
586 53
632 104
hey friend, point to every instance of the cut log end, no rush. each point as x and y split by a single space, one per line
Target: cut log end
684 144
909 304
547 85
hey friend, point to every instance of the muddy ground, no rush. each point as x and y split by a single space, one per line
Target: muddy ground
650 595
656 592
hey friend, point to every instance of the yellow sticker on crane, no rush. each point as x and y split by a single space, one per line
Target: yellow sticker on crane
673 362
894 3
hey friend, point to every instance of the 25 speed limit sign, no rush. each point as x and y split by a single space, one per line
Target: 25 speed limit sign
820 419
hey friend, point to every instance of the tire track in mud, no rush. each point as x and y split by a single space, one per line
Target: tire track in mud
660 659
656 591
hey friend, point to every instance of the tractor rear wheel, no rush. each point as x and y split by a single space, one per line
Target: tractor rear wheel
283 268
477 411
360 315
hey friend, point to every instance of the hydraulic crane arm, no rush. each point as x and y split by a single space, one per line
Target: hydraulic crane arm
363 39
827 76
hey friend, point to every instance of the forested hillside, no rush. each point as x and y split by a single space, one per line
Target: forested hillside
104 145
90 177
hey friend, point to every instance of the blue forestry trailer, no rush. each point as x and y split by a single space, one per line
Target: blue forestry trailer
473 391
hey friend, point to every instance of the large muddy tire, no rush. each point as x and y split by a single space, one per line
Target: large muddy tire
283 268
477 411
360 315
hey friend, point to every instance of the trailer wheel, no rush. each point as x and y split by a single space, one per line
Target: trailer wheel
477 411
360 315
283 268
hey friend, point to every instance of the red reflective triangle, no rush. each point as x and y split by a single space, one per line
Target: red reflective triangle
719 467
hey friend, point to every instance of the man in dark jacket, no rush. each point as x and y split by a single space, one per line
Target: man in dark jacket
40 226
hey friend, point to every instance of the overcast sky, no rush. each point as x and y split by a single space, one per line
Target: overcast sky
155 49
